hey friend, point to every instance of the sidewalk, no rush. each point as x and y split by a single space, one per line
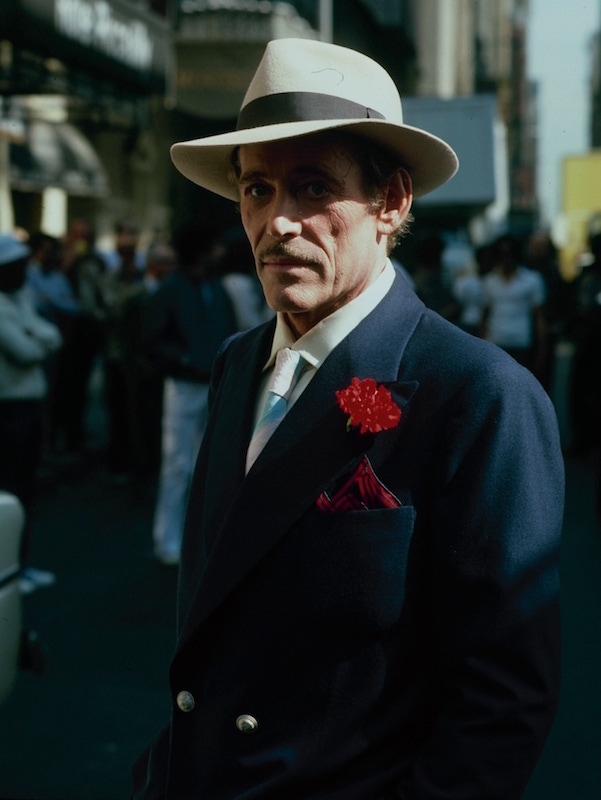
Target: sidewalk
570 768
108 626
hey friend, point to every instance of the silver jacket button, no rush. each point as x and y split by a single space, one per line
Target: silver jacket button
246 724
185 701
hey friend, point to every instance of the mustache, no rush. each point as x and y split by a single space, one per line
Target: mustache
283 250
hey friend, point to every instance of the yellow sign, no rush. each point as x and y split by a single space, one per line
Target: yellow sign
581 207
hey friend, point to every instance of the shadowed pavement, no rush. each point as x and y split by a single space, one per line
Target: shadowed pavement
108 625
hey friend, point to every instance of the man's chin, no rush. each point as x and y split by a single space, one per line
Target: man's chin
301 317
291 306
291 298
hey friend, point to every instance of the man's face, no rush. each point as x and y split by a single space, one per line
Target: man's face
316 240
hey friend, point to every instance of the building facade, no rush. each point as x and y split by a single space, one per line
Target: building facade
80 85
126 78
478 47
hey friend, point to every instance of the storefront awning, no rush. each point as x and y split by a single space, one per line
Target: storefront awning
57 154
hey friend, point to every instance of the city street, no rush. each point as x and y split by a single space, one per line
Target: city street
125 196
73 732
108 628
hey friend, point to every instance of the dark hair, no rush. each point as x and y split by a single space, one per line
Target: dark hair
39 239
508 244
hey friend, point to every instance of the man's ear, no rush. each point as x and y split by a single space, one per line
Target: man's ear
397 198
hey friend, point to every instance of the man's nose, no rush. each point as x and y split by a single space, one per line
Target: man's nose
285 220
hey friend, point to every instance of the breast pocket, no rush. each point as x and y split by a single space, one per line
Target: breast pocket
350 578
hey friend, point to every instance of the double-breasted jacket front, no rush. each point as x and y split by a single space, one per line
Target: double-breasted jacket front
407 652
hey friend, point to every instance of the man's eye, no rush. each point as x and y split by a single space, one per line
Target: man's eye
316 189
257 190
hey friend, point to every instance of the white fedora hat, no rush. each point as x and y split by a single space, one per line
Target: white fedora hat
303 86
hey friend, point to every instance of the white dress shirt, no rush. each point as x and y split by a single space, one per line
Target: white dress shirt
317 344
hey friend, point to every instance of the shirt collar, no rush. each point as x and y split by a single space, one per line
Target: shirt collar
317 344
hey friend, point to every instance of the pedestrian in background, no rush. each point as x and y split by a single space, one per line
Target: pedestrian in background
541 256
191 316
466 285
119 285
236 268
53 299
52 293
368 590
513 301
428 278
585 378
26 341
127 245
85 270
467 290
144 378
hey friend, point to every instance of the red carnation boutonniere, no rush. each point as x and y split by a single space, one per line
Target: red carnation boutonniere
369 406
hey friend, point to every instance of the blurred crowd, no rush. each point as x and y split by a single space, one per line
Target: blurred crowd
149 322
511 291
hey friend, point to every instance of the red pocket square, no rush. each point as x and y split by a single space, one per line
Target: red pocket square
363 491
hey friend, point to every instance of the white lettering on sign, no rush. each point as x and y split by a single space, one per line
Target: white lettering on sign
94 24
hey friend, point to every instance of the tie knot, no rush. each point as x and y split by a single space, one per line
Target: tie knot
288 365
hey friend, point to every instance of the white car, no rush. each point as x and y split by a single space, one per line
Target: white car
12 519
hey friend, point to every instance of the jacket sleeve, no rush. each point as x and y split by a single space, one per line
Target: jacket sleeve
494 534
25 338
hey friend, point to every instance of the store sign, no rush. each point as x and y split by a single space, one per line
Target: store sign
113 38
94 23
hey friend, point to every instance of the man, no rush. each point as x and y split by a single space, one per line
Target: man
585 378
27 340
83 338
126 249
513 299
191 316
146 379
119 287
368 606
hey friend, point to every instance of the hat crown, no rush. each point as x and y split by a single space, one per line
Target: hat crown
314 67
304 87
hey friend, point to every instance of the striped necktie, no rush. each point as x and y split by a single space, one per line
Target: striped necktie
288 366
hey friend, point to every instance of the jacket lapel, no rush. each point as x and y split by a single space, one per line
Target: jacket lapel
310 449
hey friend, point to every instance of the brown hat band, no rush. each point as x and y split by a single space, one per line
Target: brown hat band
273 109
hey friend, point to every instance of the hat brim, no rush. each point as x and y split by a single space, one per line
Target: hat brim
207 162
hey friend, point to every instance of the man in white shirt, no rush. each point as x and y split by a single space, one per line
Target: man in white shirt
513 299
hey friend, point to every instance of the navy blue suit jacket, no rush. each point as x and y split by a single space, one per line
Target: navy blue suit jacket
410 652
